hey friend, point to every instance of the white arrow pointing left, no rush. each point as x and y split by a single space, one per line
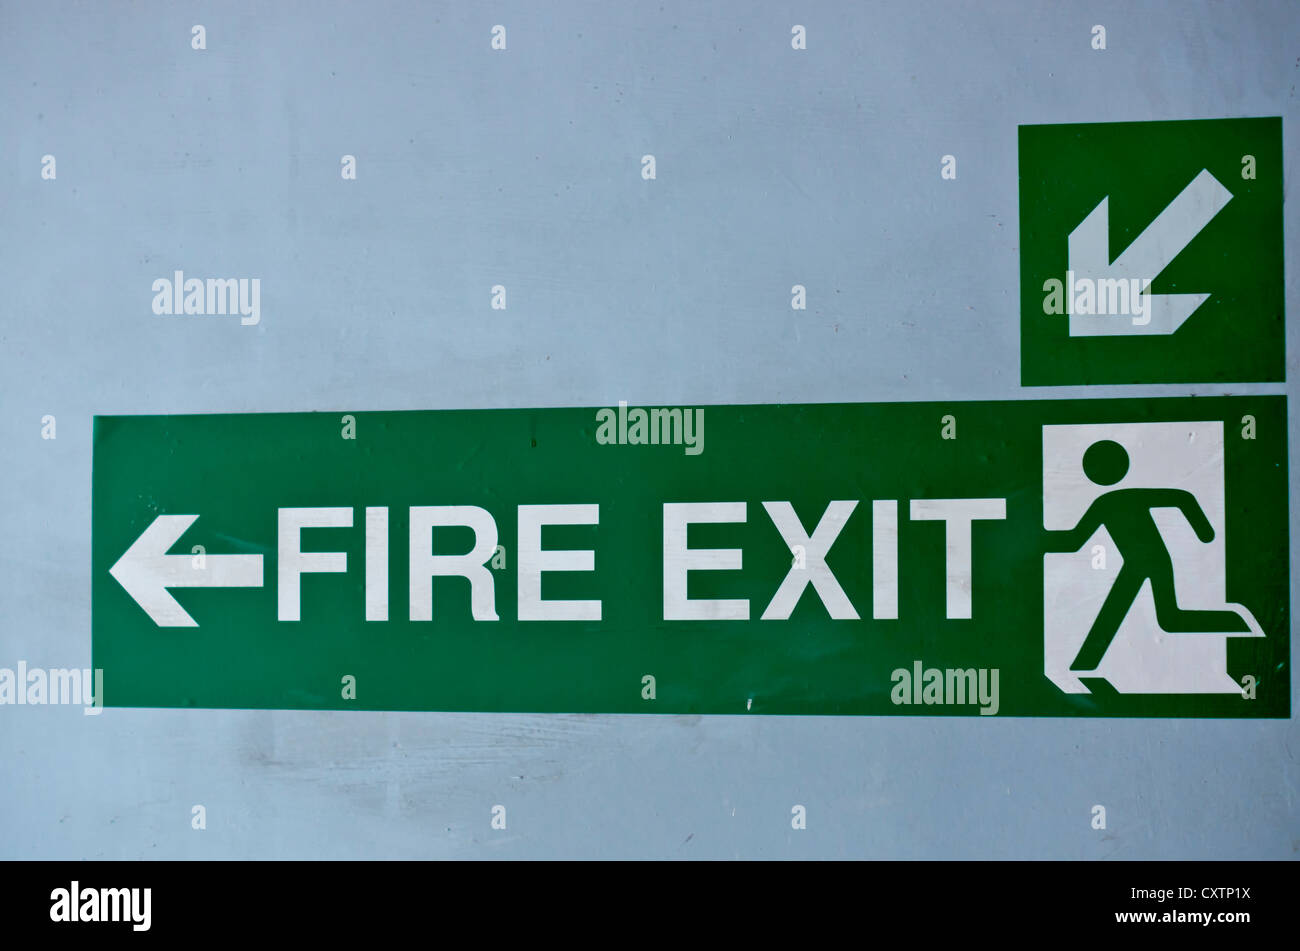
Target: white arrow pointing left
146 571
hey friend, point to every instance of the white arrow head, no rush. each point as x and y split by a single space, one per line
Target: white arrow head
146 571
1143 260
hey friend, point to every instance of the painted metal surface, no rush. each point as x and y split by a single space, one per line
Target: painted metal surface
776 167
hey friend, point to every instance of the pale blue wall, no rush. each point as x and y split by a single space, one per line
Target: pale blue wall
521 168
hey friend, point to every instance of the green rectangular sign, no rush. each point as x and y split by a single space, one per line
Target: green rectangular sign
1025 558
1151 252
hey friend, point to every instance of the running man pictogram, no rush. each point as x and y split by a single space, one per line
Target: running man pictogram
1126 515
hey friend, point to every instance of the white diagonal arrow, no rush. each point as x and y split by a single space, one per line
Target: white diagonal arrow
1149 254
146 571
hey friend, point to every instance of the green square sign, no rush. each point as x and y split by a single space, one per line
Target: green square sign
1151 252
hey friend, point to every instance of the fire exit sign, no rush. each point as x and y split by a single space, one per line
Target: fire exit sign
1026 558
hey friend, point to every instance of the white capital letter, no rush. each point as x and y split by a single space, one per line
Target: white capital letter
293 561
533 561
815 570
425 565
884 559
377 563
679 560
957 514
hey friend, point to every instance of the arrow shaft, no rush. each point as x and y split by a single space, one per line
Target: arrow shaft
218 571
1173 229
